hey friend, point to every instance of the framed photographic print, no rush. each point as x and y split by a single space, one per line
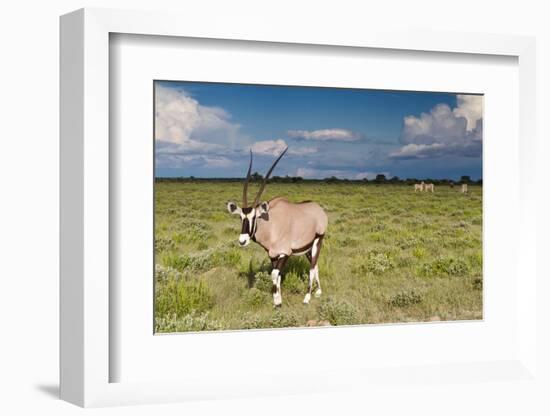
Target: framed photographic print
281 213
376 194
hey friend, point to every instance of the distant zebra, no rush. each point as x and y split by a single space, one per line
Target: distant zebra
464 188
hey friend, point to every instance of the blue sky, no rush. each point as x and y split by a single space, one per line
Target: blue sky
207 129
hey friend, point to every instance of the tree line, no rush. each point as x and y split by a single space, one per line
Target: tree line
379 179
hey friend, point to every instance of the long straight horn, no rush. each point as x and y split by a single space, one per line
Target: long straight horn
245 188
267 177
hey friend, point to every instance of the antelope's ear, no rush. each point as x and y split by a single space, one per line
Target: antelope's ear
263 211
263 208
233 208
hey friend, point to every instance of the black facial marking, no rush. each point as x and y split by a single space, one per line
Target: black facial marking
251 231
246 210
244 229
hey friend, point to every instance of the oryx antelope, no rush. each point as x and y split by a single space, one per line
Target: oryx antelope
283 229
429 187
419 187
464 188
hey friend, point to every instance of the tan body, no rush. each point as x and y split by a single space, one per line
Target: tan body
464 188
290 228
283 229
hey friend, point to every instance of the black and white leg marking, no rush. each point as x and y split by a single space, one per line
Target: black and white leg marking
313 257
279 264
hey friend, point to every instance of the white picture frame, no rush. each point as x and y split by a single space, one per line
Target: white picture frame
85 354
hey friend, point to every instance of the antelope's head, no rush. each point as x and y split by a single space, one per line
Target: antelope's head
250 213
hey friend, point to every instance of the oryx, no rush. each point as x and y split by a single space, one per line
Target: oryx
419 187
464 188
283 229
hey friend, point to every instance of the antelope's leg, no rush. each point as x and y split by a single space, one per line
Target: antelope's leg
315 251
276 279
313 256
311 277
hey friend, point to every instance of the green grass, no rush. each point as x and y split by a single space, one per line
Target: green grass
389 255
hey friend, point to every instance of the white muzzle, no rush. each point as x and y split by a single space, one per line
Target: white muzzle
244 240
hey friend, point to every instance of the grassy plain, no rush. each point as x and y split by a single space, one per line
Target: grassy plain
389 255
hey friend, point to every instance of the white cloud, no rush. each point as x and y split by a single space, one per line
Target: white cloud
180 119
370 175
188 147
178 160
471 108
301 151
418 151
188 133
268 147
275 147
443 131
218 162
342 135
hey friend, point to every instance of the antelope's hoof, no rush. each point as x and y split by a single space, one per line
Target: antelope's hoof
318 293
307 298
277 305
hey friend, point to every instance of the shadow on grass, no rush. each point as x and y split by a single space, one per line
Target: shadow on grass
253 269
297 265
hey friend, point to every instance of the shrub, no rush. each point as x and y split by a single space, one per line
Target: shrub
419 252
187 263
405 298
444 266
478 283
337 312
218 216
476 260
294 283
283 320
407 242
193 231
263 282
163 244
279 319
377 237
203 261
298 265
254 297
348 241
376 263
191 322
163 273
378 227
230 231
227 257
404 261
181 297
